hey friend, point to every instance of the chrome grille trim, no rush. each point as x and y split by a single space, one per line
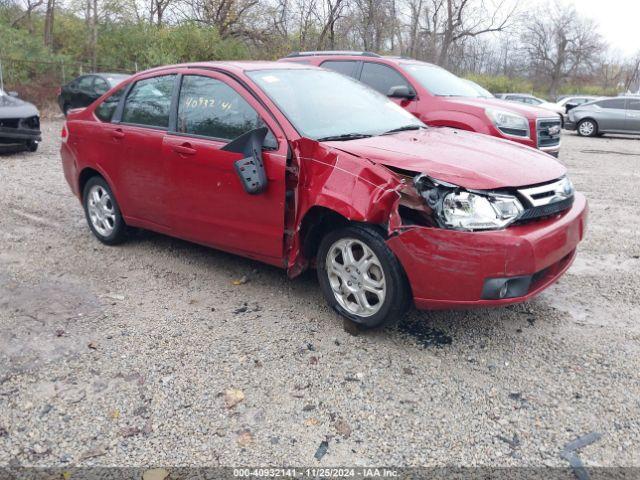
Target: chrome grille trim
546 194
543 139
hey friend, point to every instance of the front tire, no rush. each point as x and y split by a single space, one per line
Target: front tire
361 278
588 128
102 212
32 146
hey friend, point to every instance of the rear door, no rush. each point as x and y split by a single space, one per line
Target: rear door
141 168
633 115
612 115
207 201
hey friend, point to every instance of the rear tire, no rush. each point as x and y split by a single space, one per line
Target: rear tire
361 278
102 212
587 128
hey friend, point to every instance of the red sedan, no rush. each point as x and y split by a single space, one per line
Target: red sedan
297 166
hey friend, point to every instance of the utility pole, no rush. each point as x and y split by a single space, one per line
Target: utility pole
1 79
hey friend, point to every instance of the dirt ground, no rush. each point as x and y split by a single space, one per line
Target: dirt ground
122 355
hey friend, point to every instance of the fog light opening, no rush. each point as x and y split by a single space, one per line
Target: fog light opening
504 290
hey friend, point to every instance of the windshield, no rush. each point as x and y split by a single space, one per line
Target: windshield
482 92
322 104
439 81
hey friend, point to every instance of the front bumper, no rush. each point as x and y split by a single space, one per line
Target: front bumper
449 269
19 135
569 125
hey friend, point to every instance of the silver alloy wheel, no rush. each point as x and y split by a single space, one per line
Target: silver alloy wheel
101 210
356 277
587 128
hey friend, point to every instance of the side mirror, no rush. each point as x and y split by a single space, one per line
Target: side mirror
13 94
250 168
401 91
570 106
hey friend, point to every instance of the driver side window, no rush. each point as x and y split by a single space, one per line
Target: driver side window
210 108
381 77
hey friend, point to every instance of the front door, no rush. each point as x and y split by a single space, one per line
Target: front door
207 201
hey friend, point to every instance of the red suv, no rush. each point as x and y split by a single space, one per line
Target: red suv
299 166
439 98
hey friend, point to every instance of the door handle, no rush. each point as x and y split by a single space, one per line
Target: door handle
118 133
184 149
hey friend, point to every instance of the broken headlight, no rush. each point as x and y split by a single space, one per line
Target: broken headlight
459 209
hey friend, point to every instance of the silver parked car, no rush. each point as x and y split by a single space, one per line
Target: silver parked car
609 115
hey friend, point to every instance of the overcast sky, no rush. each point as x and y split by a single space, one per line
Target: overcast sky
619 22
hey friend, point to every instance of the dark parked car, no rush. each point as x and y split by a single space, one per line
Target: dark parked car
84 90
299 166
19 123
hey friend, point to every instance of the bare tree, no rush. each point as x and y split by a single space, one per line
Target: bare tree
438 26
29 7
560 44
48 22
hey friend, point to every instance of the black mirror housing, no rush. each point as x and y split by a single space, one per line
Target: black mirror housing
250 168
401 91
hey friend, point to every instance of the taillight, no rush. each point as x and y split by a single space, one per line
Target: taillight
64 134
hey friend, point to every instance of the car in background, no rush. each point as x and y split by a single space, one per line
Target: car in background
86 89
531 100
570 102
440 98
19 123
298 166
608 115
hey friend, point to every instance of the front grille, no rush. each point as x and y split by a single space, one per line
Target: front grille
545 200
546 210
9 122
30 122
545 138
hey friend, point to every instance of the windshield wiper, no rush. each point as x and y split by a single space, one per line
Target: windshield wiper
344 136
403 129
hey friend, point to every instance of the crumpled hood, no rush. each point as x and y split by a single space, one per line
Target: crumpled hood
11 107
470 160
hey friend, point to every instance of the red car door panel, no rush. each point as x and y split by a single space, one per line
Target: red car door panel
207 201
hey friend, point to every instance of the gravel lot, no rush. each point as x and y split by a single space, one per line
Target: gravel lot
122 355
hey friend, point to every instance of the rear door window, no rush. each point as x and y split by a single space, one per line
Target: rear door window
617 103
149 102
210 108
381 77
346 67
85 84
100 86
634 104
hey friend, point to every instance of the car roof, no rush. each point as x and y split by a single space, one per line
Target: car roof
300 57
237 66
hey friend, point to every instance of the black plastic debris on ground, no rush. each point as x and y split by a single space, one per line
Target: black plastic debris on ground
322 450
424 335
570 455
